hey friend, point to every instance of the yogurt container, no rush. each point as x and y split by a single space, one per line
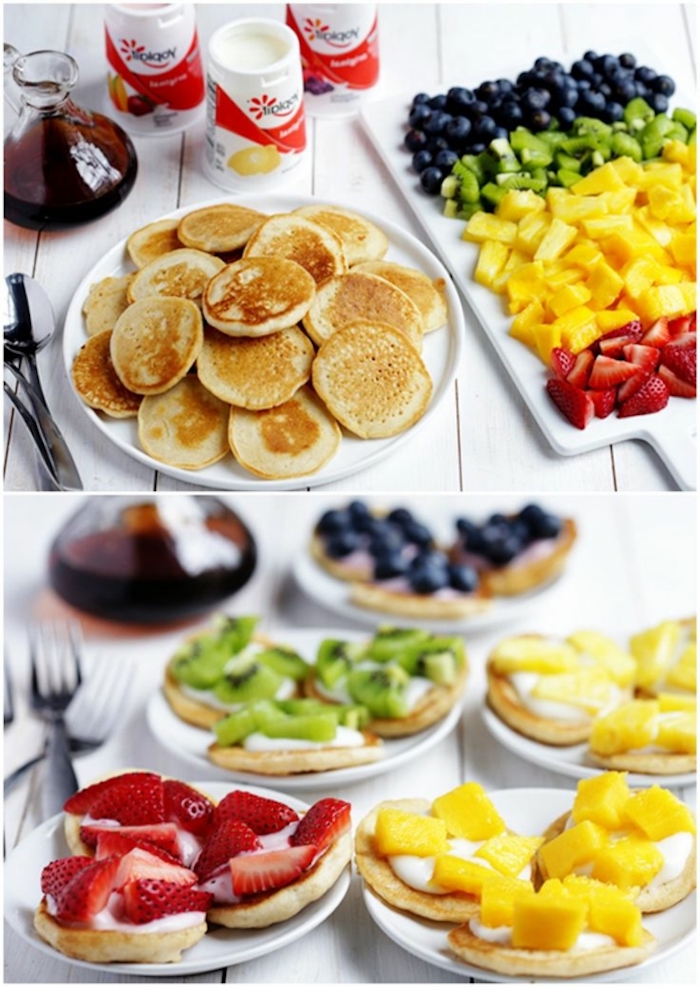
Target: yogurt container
256 130
155 76
339 52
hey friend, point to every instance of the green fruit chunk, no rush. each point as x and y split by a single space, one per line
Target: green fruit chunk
245 679
381 690
285 662
318 727
235 727
199 664
685 117
624 145
234 633
335 659
389 642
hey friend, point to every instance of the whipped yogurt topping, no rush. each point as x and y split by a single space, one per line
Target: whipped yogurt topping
188 844
525 682
287 690
416 687
502 935
110 919
417 872
344 737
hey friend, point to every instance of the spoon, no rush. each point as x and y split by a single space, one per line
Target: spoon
28 326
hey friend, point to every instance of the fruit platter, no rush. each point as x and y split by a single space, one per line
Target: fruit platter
562 200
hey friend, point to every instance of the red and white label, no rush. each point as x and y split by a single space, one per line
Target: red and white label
161 77
342 50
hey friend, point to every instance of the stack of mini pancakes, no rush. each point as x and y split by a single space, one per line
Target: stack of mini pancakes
264 336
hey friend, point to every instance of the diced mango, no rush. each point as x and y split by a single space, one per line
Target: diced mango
622 245
602 799
527 283
664 299
630 862
629 727
532 654
658 813
398 832
609 319
621 665
469 813
559 276
522 324
492 258
639 273
613 914
498 895
485 226
654 650
604 179
569 297
590 689
605 285
547 921
508 853
572 848
458 874
678 733
546 335
684 249
516 204
683 674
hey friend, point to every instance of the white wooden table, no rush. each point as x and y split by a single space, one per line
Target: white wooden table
631 567
482 436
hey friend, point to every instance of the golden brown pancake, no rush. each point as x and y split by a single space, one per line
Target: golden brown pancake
155 342
428 296
297 761
218 229
372 379
255 373
152 241
257 296
374 596
315 247
362 240
186 427
105 302
659 763
96 380
182 273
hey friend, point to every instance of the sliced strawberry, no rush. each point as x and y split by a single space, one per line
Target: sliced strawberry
58 873
325 821
658 334
188 807
631 386
644 357
607 373
652 396
680 356
148 899
677 388
582 368
141 802
262 815
682 324
162 835
562 361
632 328
615 346
252 873
138 864
574 404
82 801
88 891
226 841
603 402
117 842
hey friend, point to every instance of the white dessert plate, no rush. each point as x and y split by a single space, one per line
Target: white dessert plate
571 761
441 354
527 811
671 432
218 949
334 594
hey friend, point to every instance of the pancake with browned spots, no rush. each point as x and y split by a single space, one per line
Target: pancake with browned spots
186 427
218 229
362 240
427 295
153 240
106 301
182 273
97 383
289 235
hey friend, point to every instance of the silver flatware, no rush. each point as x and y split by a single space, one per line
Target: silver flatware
47 468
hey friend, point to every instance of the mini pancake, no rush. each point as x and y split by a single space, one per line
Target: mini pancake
182 273
294 439
186 427
218 229
257 296
272 907
155 342
428 296
362 240
456 906
255 373
542 962
354 296
97 383
372 379
105 302
646 764
296 761
315 247
374 596
153 240
338 568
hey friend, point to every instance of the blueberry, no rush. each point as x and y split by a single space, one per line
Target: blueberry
501 133
342 543
458 99
445 160
414 140
457 131
567 95
605 89
624 91
464 578
421 160
510 114
419 114
540 522
477 109
384 542
420 98
591 102
417 533
428 580
438 102
504 549
474 541
520 530
540 119
607 64
485 127
566 116
535 99
358 511
431 180
430 559
664 84
436 144
591 56
333 521
505 86
543 64
486 91
641 89
477 147
644 74
658 102
627 60
596 80
399 515
497 520
530 514
583 85
613 112
436 122
389 564
466 526
582 69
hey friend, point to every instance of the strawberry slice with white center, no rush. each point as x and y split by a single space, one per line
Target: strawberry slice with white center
658 334
188 807
652 396
680 356
58 873
644 357
139 864
149 899
607 373
576 405
82 802
163 835
604 402
117 842
325 821
254 873
263 815
578 377
87 892
683 324
227 840
562 361
677 388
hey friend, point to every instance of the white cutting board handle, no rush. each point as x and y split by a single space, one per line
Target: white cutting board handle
677 448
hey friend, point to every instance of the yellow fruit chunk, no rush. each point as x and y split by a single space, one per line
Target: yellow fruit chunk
605 179
533 654
498 895
516 204
573 847
670 702
602 799
509 854
492 258
574 209
658 813
621 665
629 727
663 299
620 201
654 650
661 232
678 733
577 326
609 319
531 230
590 689
558 237
546 337
613 914
684 249
677 151
605 284
398 832
683 675
639 273
469 813
485 226
630 862
526 284
522 324
629 171
569 297
547 921
584 253
458 874
661 173
598 229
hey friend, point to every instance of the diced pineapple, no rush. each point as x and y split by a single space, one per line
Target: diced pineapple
613 914
629 727
585 254
531 230
639 273
598 229
469 813
485 226
564 274
546 335
581 337
661 173
683 675
669 275
663 299
523 322
509 853
527 283
609 319
671 702
629 171
516 204
458 874
590 689
654 650
658 813
550 921
398 832
630 862
663 200
684 249
492 258
498 895
602 799
621 245
661 232
604 179
575 208
619 202
569 297
678 733
677 151
605 285
533 654
621 665
572 848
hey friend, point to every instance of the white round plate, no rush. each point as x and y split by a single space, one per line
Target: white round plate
218 949
334 594
528 811
571 761
441 354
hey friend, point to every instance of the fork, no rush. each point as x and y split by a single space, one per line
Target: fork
91 715
54 651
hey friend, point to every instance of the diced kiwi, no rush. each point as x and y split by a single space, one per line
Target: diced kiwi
235 727
235 632
381 690
247 678
199 663
302 707
390 642
285 662
335 659
318 727
438 659
356 717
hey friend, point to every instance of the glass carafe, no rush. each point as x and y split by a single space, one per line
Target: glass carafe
151 560
63 165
